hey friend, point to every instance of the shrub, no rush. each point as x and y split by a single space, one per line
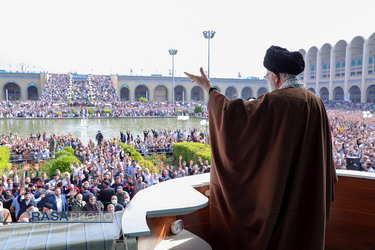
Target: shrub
62 153
62 163
156 158
107 111
65 151
142 99
135 155
148 164
90 111
198 109
70 150
4 158
191 151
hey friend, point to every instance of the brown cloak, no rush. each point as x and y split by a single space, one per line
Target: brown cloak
272 171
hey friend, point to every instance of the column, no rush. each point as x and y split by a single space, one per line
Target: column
170 89
318 70
306 73
332 72
189 87
365 59
348 55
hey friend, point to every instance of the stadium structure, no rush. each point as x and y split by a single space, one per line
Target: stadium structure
31 86
342 72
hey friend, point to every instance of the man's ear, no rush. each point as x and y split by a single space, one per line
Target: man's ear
276 80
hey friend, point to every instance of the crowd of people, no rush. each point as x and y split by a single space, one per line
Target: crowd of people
56 88
103 86
108 177
45 109
106 180
66 97
353 138
42 146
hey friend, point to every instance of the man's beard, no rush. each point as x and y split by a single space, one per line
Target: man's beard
271 84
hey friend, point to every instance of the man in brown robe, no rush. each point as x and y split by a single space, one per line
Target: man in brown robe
272 170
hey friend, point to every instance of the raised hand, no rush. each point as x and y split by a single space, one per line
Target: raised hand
202 80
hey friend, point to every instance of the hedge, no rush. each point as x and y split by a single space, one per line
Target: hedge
139 158
62 160
107 111
135 155
148 164
62 163
69 150
191 151
4 158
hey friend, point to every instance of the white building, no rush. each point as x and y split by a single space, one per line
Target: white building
344 71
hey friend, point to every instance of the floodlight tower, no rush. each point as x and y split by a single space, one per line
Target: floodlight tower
209 34
173 52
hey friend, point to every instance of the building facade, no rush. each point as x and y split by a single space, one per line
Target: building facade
344 71
159 88
29 86
21 86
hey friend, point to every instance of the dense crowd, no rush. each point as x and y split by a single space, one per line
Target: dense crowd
42 146
103 86
107 179
94 97
56 88
44 109
353 138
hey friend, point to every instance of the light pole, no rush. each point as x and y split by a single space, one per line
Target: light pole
173 52
209 34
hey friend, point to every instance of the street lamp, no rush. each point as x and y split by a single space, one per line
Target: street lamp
173 52
209 34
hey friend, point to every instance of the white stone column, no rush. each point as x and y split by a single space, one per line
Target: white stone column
348 56
365 59
332 72
306 73
318 70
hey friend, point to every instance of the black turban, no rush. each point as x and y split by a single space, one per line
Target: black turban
280 60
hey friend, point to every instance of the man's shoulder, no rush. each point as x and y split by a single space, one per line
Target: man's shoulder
290 96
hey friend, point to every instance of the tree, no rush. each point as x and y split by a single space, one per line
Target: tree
142 99
198 109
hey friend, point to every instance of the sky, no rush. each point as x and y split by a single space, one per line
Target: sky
120 37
